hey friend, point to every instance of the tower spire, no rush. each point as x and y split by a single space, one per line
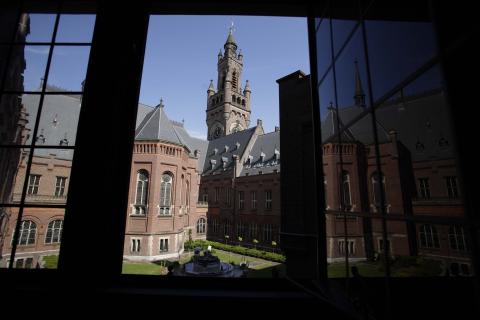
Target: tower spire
359 96
228 107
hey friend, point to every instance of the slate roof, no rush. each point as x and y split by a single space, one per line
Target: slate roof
157 126
421 123
236 144
268 146
58 122
192 144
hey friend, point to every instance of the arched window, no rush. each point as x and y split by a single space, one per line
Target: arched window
141 198
28 233
456 236
243 102
54 231
166 194
378 181
345 191
201 226
429 236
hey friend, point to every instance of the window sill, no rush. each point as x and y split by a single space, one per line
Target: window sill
133 215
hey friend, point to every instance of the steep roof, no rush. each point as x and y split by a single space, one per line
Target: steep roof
58 122
421 123
264 155
220 151
157 126
192 144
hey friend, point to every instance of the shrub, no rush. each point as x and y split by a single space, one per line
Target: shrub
190 245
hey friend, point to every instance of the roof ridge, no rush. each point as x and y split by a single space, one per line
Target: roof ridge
145 121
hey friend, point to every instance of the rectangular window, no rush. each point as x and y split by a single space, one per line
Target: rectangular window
452 189
215 226
424 188
60 186
350 247
217 194
267 232
164 245
205 195
135 245
253 231
33 183
268 199
241 200
253 196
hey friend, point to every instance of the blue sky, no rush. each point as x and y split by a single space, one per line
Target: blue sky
181 58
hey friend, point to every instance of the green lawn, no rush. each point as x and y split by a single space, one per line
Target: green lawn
143 268
51 262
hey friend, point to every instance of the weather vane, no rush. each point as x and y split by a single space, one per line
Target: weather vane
232 28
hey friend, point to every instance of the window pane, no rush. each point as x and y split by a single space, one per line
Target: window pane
26 68
34 235
40 27
48 164
324 54
13 162
68 69
75 28
58 121
17 118
396 50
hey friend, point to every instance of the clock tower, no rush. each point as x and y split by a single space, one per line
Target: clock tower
228 107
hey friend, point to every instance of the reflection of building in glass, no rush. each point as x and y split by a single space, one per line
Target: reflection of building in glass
419 183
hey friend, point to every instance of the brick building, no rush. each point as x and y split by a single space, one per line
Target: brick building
182 187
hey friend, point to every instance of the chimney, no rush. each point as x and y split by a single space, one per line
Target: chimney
277 129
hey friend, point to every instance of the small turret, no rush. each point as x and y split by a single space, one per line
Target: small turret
359 96
211 89
220 55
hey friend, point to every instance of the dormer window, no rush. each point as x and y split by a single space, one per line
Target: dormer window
64 142
237 145
262 156
224 162
226 149
41 138
277 154
215 151
212 164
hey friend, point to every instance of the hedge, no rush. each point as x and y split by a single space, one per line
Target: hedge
190 245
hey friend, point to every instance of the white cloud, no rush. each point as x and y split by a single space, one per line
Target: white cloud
39 50
198 135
